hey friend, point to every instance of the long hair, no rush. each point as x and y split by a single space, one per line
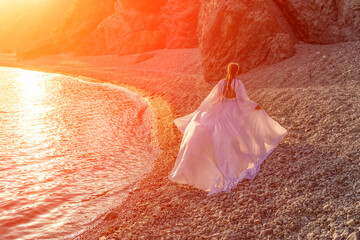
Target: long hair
232 71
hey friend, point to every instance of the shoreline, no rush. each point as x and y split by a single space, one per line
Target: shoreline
163 135
308 187
147 151
160 126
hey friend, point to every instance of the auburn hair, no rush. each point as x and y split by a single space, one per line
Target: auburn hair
232 72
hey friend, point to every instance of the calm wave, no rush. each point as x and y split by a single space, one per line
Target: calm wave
69 150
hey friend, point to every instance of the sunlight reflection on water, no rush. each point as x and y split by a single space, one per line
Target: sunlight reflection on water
68 151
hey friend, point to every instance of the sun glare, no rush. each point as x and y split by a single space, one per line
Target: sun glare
12 3
20 1
32 94
32 84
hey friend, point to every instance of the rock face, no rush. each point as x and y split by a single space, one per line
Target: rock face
247 32
22 25
127 31
250 32
179 22
140 26
152 6
80 21
130 29
323 21
349 18
37 49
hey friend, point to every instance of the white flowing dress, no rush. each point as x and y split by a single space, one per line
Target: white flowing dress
225 141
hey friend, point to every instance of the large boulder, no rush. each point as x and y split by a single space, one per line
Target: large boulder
246 32
152 6
139 26
80 21
179 22
93 44
142 41
323 21
127 31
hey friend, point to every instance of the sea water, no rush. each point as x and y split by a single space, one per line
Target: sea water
69 151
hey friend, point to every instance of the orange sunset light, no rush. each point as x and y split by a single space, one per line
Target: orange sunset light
119 119
23 23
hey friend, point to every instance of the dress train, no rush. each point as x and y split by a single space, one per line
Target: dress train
225 141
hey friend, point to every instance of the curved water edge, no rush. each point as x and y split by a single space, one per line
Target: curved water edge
99 107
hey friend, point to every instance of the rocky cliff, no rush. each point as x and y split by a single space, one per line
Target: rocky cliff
132 28
22 25
179 22
139 26
81 20
250 32
323 21
265 31
247 32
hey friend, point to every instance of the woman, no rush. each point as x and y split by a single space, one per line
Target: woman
226 139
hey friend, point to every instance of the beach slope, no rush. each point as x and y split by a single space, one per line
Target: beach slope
309 187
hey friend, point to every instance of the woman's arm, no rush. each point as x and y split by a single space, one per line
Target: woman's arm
213 97
210 100
243 99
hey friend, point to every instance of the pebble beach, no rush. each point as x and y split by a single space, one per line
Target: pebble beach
308 188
